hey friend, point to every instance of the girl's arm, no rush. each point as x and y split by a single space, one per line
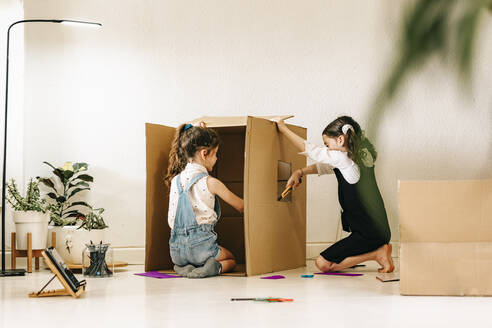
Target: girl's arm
297 141
216 187
298 174
338 159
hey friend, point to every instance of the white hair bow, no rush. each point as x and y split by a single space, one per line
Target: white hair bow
347 127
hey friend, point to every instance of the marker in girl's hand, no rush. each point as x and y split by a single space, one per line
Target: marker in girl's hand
287 190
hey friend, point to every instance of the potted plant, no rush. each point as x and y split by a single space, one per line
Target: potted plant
91 229
30 214
68 181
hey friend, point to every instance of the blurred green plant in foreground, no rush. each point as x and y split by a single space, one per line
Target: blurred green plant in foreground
444 28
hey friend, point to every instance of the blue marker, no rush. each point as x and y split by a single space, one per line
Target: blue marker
307 275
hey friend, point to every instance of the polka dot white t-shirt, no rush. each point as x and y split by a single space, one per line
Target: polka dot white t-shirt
201 199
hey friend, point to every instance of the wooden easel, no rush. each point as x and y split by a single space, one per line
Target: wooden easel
29 252
58 292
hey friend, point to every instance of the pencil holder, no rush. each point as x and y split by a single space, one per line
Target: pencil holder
97 260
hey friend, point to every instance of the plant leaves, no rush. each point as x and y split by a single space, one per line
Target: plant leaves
54 168
80 183
67 174
76 190
85 177
466 35
61 199
52 195
59 174
80 167
73 215
79 204
47 182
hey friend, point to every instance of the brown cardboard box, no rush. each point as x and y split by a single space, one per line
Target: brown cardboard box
446 237
271 235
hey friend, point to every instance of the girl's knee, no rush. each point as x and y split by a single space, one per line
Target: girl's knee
323 264
225 254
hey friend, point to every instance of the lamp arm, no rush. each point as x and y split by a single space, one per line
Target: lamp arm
5 118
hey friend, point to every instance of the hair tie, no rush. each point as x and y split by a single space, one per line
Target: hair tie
187 126
347 127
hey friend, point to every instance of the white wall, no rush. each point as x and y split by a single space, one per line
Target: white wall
89 92
10 12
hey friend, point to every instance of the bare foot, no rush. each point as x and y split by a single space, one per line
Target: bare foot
383 257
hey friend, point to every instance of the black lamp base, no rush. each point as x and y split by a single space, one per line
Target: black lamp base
12 273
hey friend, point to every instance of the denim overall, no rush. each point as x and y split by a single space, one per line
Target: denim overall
190 242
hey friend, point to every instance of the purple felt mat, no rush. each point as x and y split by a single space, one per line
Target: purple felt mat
273 277
158 275
340 274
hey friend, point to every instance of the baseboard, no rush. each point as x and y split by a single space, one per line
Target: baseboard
130 255
136 255
313 249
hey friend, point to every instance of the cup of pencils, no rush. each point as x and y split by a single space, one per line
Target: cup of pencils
97 260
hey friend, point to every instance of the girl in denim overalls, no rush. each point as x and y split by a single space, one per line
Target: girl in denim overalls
194 206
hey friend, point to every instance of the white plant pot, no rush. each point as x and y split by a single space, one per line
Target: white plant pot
70 241
61 233
34 222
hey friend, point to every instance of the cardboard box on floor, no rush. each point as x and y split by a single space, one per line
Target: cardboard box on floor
446 237
252 162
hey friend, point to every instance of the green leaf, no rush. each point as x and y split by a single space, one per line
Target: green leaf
79 204
71 212
59 174
80 183
465 36
85 177
47 182
80 167
52 195
54 168
76 190
67 174
73 215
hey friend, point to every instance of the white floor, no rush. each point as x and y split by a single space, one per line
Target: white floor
127 300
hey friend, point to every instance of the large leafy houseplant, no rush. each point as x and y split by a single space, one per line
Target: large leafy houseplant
71 181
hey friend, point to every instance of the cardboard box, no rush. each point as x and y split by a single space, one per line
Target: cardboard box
271 235
446 237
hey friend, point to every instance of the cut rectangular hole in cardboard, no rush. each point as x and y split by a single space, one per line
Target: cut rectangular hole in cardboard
283 174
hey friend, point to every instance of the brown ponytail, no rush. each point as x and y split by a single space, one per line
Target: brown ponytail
355 141
187 141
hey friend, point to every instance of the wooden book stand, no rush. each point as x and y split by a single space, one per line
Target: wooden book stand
58 292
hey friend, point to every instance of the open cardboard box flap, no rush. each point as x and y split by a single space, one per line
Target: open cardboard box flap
446 237
225 121
274 233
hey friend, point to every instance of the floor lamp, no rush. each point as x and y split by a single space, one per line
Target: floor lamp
20 272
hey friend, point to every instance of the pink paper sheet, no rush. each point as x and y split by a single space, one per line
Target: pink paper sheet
158 275
273 277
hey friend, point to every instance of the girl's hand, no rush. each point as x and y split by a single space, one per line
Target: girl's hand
295 179
281 126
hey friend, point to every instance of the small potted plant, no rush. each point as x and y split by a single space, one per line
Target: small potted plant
91 230
30 214
68 181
